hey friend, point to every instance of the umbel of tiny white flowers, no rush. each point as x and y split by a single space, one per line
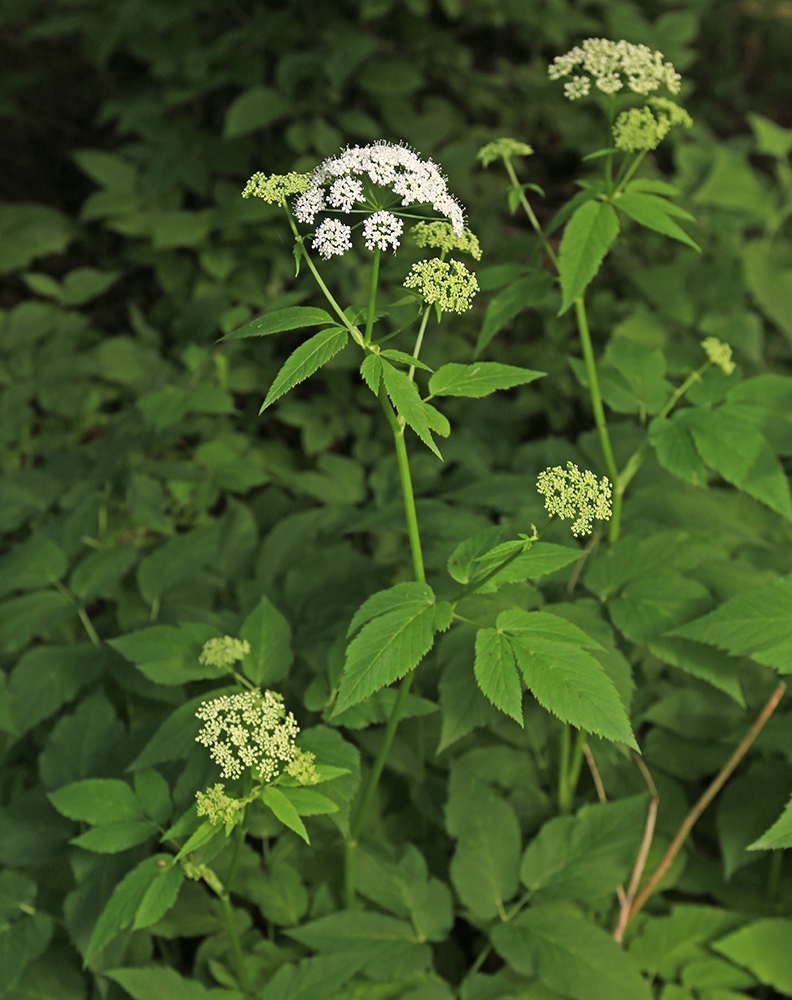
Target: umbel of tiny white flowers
611 65
570 493
248 731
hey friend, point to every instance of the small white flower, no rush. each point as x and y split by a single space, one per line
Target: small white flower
578 86
345 192
309 203
611 65
382 229
332 238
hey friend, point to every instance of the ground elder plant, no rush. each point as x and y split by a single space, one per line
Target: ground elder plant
482 782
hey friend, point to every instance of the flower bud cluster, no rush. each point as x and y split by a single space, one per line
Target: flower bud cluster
275 188
720 354
570 493
502 149
219 807
447 283
644 128
440 236
224 652
248 731
610 65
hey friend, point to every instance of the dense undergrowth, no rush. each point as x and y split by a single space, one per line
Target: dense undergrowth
147 508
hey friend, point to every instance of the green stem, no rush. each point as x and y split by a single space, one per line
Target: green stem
622 182
563 772
594 389
370 789
530 213
81 612
419 341
569 768
609 158
372 295
236 947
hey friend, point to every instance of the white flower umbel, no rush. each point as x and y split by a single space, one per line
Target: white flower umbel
248 731
332 238
572 493
413 180
611 65
381 230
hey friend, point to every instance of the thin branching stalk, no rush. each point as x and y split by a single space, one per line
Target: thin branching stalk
626 899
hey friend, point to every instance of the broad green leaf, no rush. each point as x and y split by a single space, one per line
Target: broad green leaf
665 945
406 359
648 606
496 672
175 737
168 655
312 978
292 318
198 838
177 560
99 574
32 616
734 449
479 379
253 109
568 681
307 802
32 564
578 959
587 237
747 806
124 903
399 597
24 931
754 624
160 896
385 650
283 808
544 625
408 404
97 801
279 892
763 948
46 677
542 558
153 793
704 662
462 704
111 838
332 750
486 862
772 139
675 451
779 835
526 291
653 212
436 420
307 359
462 563
586 856
385 941
371 370
652 186
767 278
269 635
158 983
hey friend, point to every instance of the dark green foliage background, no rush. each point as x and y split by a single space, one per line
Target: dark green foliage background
139 485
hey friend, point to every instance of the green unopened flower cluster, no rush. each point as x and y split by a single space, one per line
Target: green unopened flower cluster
610 65
302 767
447 283
720 354
502 149
276 188
223 652
249 730
570 493
219 807
644 128
441 236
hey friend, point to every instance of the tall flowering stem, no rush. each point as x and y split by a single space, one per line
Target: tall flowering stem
379 181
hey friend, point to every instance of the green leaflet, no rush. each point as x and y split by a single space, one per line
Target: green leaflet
269 635
158 983
388 647
97 801
479 379
24 931
587 237
653 212
496 672
312 977
371 370
406 359
585 856
307 359
754 624
736 450
408 404
763 948
293 318
779 835
284 809
578 959
486 862
128 898
401 596
563 677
